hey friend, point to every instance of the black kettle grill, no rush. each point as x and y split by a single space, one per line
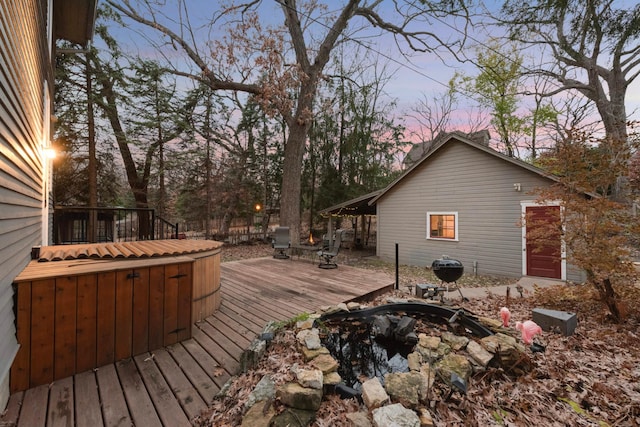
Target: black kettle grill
449 271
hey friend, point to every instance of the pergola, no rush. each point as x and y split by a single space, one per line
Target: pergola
357 207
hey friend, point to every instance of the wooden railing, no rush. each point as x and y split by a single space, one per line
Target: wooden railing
75 224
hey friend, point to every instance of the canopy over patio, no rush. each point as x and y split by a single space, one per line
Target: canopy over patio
356 207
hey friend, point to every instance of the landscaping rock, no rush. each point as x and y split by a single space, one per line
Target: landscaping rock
454 363
493 343
395 300
411 338
353 306
373 394
358 419
251 356
407 388
395 415
456 342
426 420
305 324
405 327
381 327
414 360
309 338
269 331
294 417
264 390
507 352
224 391
256 416
332 378
479 354
311 378
428 341
398 363
432 352
429 375
325 363
295 396
308 354
493 324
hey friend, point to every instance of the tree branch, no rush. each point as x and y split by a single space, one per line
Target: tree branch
209 77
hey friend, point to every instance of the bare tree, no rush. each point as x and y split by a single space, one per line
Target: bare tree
433 115
312 31
436 116
595 47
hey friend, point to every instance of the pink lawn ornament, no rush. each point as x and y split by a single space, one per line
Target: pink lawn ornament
529 329
505 314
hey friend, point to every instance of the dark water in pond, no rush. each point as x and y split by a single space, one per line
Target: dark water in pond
360 354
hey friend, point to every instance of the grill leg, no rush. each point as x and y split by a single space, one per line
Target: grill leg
459 290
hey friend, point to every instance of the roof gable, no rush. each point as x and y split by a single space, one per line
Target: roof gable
458 138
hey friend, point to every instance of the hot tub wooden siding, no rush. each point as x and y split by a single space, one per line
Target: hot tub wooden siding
79 314
206 285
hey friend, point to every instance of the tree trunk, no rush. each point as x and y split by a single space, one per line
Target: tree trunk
226 223
92 225
612 110
138 184
607 295
291 180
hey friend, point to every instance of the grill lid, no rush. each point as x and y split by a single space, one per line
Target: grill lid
447 269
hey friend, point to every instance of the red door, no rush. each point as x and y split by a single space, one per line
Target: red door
543 260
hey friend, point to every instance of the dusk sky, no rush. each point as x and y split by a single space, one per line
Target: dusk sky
425 76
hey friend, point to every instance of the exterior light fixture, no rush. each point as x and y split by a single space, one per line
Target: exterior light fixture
49 153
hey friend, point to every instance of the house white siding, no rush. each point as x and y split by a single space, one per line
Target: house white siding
481 189
24 67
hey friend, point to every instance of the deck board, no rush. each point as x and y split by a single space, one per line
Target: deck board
12 412
164 401
63 413
219 353
34 407
186 394
201 381
172 385
136 394
114 407
87 401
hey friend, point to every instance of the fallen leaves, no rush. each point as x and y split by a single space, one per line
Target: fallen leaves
588 379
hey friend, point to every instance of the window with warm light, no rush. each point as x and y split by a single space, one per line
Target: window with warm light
442 225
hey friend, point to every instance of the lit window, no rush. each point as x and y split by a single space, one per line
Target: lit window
442 225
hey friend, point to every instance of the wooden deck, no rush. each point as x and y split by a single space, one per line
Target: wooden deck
171 386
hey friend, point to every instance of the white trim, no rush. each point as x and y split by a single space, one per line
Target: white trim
50 28
47 172
442 239
524 204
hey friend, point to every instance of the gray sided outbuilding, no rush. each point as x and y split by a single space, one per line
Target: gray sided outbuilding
482 193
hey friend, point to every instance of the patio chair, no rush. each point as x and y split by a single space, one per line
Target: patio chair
281 242
328 254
